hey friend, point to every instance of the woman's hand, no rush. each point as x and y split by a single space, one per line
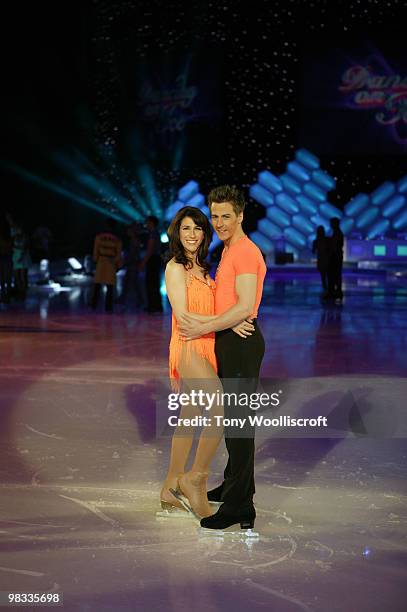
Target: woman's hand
244 329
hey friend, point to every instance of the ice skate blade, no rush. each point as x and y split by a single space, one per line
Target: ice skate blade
216 505
185 504
174 514
242 534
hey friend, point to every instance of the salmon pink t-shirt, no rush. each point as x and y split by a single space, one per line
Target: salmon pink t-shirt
242 257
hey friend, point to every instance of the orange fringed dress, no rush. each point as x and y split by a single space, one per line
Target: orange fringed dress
201 300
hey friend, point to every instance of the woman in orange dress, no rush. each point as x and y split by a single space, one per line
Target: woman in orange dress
192 363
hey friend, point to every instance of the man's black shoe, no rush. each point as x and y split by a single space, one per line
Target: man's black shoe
223 520
215 494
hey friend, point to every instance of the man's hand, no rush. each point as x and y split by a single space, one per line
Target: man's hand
244 329
190 327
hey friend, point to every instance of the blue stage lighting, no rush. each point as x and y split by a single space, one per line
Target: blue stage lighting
296 203
357 204
81 171
291 185
215 243
287 203
328 210
367 218
303 224
400 222
145 175
318 220
262 195
307 205
295 237
310 240
347 224
298 172
402 185
188 191
378 229
382 193
265 245
307 159
314 192
269 229
62 191
323 179
173 209
278 216
136 197
270 182
198 200
393 205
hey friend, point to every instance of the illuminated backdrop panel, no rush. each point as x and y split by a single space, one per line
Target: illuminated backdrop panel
296 202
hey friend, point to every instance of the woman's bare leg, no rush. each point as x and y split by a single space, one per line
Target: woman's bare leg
198 375
181 445
182 442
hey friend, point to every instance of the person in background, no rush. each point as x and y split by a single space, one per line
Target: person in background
21 261
320 248
131 279
6 260
21 257
40 241
335 260
107 250
151 262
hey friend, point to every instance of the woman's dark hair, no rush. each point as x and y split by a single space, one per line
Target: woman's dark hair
176 249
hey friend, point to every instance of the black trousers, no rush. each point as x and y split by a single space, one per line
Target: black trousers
335 277
153 271
239 360
108 300
323 271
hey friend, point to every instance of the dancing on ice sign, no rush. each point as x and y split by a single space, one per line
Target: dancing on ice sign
367 89
354 97
170 108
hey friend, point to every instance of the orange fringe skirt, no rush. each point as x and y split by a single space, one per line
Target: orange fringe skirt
200 300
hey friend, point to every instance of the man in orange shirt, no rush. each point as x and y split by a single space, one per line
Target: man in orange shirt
239 286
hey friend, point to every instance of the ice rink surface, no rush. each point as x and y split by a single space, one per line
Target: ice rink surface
81 467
